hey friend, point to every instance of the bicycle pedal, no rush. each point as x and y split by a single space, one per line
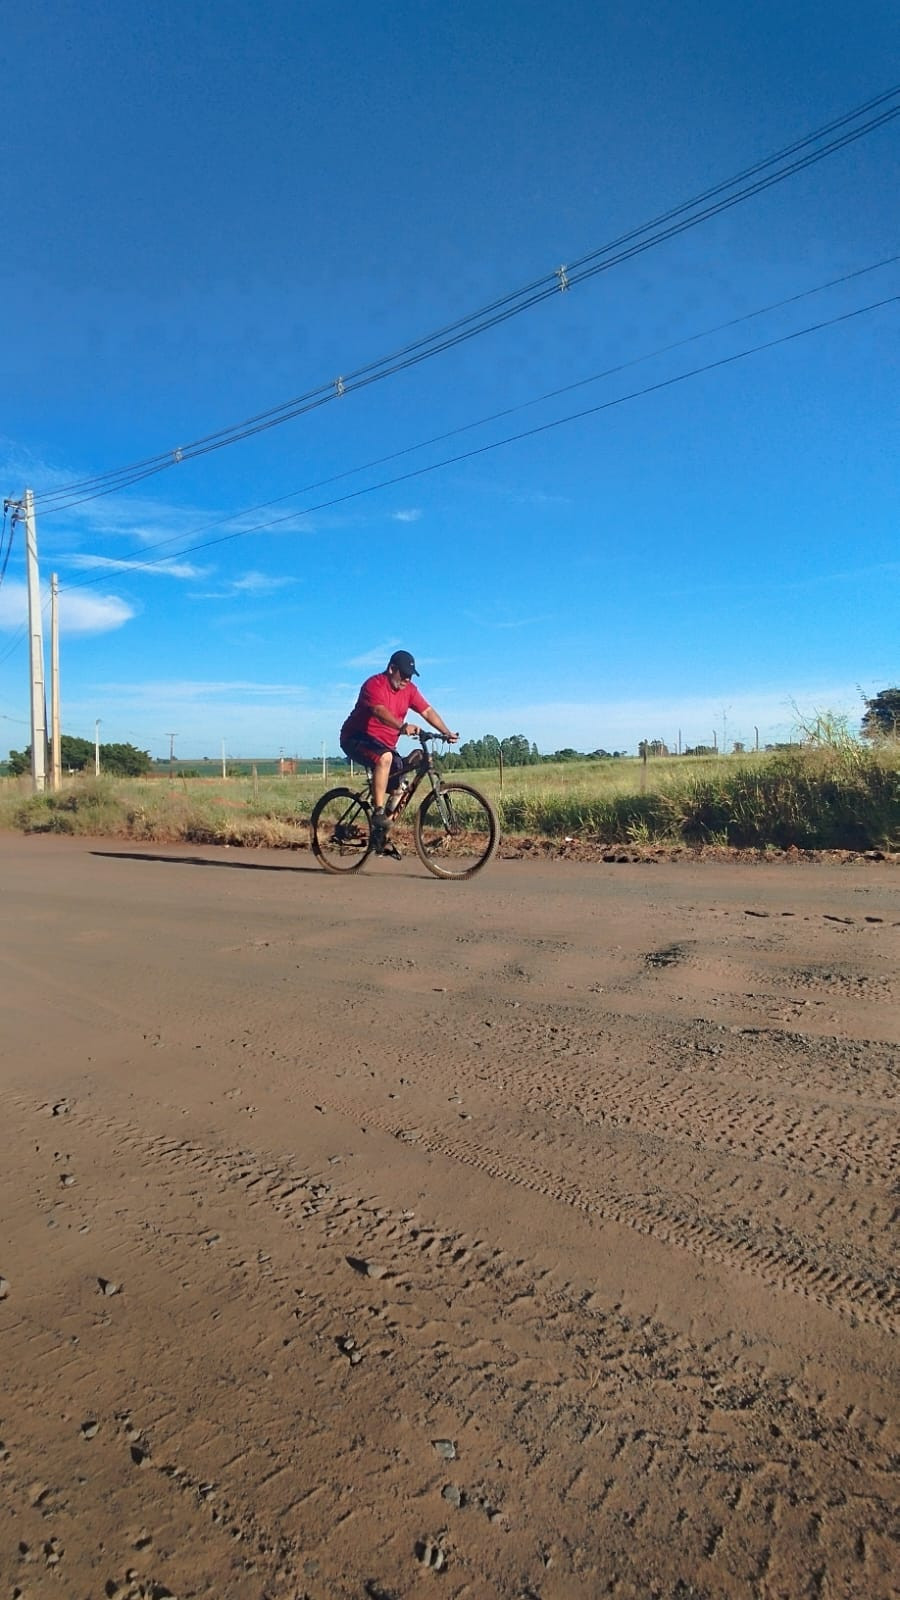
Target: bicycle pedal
392 851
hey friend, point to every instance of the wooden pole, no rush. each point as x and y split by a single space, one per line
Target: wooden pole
55 733
36 635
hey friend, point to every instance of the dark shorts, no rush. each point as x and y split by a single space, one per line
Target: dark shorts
367 751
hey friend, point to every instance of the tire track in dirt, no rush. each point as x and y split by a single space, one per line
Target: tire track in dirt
843 1292
299 1196
252 1511
787 1165
452 1330
843 1071
823 1139
429 1258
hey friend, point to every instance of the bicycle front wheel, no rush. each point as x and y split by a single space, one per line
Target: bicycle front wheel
456 831
340 831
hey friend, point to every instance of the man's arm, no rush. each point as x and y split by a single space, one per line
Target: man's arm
410 729
437 722
385 715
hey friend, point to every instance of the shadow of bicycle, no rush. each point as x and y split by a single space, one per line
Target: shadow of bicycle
202 861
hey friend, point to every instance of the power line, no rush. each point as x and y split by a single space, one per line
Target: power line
497 444
138 556
675 221
530 433
9 540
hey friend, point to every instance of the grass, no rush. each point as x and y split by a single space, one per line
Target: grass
830 793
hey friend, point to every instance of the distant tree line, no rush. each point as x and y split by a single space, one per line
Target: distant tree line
77 754
516 751
881 720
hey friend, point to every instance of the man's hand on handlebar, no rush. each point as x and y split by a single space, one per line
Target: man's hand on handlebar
411 730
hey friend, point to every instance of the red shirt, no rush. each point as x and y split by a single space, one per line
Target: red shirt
362 722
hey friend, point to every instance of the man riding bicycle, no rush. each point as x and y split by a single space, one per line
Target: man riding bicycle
376 722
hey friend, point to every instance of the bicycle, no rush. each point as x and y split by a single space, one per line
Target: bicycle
455 830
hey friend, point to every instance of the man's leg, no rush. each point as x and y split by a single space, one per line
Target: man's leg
380 764
381 771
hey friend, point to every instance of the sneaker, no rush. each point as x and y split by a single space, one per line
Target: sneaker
380 826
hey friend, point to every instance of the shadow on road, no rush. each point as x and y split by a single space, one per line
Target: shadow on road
199 861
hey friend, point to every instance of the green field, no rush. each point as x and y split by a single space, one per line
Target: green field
832 793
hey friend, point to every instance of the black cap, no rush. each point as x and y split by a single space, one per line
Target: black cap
405 664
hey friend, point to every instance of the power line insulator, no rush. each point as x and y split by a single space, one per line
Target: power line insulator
339 387
563 277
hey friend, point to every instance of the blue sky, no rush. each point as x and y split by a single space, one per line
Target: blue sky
211 209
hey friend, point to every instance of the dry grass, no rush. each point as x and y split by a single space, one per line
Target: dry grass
832 793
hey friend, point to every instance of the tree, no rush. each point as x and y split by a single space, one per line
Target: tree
76 754
882 718
125 759
486 752
516 750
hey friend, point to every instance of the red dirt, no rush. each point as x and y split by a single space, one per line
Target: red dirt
534 1232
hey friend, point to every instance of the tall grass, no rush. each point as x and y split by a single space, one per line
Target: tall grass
833 792
197 811
811 798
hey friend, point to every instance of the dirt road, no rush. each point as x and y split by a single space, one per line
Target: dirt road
523 1238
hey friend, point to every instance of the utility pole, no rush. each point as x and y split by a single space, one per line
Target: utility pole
172 738
36 637
224 774
97 748
55 747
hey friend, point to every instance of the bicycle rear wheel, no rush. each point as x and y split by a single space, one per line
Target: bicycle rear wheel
340 831
456 831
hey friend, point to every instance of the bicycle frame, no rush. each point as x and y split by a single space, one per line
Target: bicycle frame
415 775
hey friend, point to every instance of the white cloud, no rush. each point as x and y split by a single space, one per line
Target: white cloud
260 583
162 569
139 518
412 515
252 583
198 692
78 613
